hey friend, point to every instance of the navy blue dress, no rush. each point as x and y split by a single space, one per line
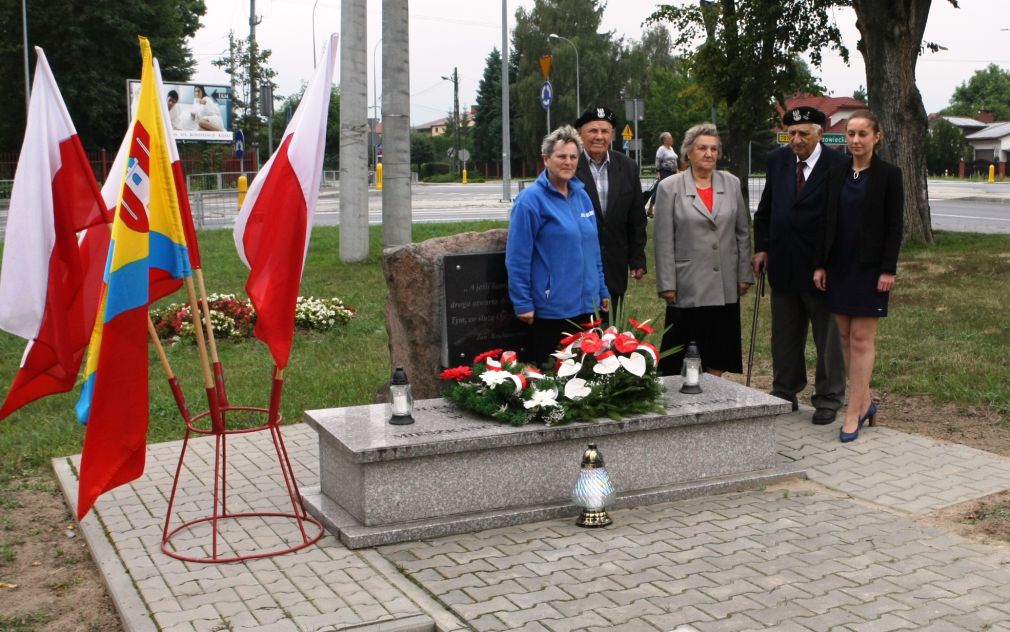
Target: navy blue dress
852 286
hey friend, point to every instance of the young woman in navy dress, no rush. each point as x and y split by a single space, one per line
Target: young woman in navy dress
857 257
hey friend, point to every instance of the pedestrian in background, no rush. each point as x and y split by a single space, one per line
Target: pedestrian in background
612 182
857 256
555 273
703 251
786 224
666 165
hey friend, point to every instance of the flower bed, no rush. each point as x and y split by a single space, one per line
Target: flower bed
597 373
234 318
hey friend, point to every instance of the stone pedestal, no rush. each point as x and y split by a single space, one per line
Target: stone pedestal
414 306
453 472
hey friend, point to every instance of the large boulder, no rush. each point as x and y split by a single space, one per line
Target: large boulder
415 302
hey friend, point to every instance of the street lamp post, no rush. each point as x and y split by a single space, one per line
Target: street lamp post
314 33
455 115
578 95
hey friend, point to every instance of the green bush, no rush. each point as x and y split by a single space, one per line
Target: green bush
429 169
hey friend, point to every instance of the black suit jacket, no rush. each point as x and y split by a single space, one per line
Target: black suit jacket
882 216
622 226
786 225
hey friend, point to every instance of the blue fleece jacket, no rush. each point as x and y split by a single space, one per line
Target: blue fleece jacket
553 252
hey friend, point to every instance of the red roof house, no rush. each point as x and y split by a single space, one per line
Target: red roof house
836 109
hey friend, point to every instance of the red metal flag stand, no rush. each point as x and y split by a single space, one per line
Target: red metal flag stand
308 530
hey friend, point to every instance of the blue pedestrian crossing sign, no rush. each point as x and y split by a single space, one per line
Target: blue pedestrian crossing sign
239 143
546 95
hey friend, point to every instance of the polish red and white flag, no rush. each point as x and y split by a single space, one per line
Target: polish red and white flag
55 247
273 227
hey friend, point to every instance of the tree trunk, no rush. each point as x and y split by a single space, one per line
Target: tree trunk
735 149
891 42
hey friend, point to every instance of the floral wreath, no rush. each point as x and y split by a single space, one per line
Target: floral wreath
597 373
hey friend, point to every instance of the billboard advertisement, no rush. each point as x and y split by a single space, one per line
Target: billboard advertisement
198 111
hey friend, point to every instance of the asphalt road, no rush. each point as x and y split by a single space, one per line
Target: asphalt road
956 206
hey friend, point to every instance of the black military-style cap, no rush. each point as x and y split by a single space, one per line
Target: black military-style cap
803 114
597 113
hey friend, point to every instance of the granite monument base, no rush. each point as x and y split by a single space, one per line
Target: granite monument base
454 472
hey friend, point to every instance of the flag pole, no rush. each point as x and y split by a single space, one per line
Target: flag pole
173 381
217 422
219 386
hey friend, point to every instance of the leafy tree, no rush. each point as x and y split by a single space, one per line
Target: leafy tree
486 132
421 150
859 94
579 21
891 44
674 103
238 64
748 57
987 89
282 115
945 147
92 49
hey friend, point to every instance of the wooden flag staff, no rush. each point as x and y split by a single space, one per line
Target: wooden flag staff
222 392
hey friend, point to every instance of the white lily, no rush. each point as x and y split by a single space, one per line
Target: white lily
541 398
634 364
576 388
607 365
564 354
569 367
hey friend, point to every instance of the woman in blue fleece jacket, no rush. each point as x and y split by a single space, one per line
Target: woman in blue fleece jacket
553 253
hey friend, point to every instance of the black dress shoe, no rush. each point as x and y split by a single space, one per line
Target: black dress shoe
824 416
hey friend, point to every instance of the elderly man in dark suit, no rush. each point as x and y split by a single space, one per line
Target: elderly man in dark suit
612 182
785 237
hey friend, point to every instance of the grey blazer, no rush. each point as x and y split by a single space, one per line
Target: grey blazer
702 255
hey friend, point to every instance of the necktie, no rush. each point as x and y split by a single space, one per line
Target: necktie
800 179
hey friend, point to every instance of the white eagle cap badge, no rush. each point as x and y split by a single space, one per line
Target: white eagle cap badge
600 113
797 116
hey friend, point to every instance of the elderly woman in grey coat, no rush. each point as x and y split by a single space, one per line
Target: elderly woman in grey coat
703 249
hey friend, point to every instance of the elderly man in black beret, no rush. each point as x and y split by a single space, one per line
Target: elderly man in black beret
612 182
785 236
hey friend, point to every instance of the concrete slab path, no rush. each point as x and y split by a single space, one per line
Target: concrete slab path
840 552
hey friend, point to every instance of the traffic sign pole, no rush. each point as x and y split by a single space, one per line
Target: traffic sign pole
547 97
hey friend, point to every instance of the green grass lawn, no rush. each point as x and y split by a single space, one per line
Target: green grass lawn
947 338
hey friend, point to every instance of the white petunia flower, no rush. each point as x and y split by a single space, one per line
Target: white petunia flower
494 378
541 398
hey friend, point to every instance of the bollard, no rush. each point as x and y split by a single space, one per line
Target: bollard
464 176
992 173
378 177
243 186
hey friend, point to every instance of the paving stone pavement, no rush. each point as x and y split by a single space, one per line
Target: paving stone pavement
845 556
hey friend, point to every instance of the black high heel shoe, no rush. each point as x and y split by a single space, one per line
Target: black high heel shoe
871 412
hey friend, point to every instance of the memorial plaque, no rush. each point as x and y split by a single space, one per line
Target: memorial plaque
477 312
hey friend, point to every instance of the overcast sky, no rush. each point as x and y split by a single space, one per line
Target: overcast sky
461 33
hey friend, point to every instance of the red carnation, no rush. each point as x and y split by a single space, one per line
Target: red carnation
493 353
458 373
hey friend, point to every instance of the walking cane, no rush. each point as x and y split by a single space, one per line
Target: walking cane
754 323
